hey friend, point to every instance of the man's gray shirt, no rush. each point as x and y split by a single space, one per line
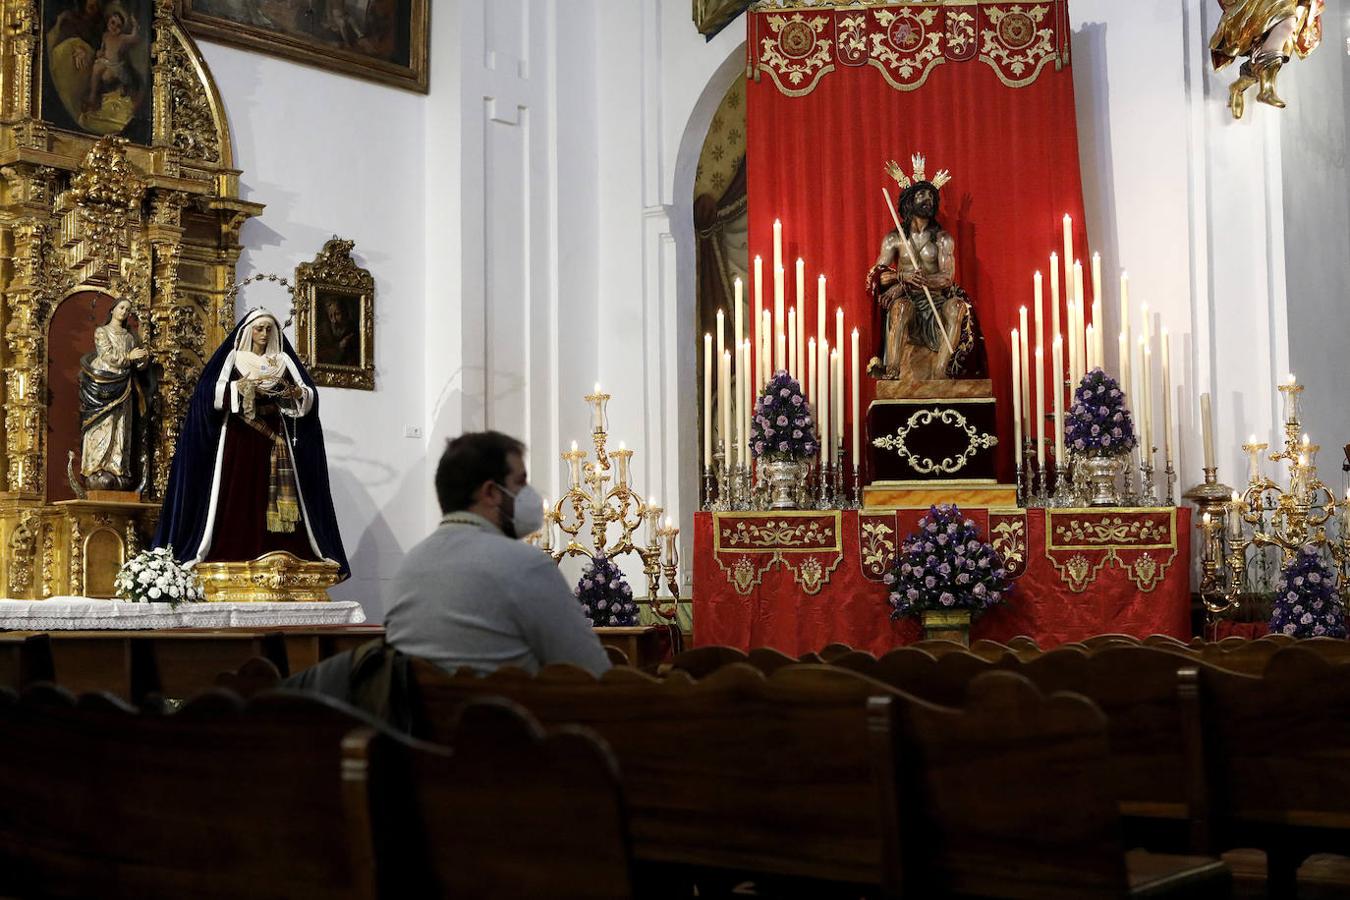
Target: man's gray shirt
468 595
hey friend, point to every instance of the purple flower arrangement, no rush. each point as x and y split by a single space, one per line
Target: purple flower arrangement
1306 601
605 596
945 565
783 427
1098 422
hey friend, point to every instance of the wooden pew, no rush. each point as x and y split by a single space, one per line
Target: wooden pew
702 661
25 658
510 812
219 800
1277 759
737 772
1010 797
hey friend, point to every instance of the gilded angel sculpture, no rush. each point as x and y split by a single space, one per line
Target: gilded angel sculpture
1269 33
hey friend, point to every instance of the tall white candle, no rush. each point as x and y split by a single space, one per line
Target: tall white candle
823 400
801 317
1026 365
856 394
707 400
747 405
724 402
1057 359
837 400
1068 249
1098 302
738 316
779 321
1207 429
1054 295
1125 330
1145 379
812 390
1167 396
757 338
1081 313
777 243
1040 409
792 343
766 349
820 309
1040 329
1091 349
1016 355
721 334
839 329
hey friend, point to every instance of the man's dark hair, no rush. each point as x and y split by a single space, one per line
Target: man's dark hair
468 461
906 205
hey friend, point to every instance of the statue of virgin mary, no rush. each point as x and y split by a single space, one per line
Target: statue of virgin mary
250 474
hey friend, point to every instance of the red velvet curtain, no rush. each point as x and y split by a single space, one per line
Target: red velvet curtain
989 97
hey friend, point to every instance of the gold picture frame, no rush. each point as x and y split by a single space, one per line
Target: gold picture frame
389 46
335 319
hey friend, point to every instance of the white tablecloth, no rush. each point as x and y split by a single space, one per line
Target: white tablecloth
87 614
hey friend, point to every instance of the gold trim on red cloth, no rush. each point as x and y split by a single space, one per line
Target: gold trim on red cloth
1008 535
808 544
905 43
877 543
1142 542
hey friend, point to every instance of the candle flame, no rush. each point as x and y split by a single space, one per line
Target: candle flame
574 446
622 445
597 384
1303 459
1236 498
1292 379
738 281
855 332
1305 440
1205 518
1253 440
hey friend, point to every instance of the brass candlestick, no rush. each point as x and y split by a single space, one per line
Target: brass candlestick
600 494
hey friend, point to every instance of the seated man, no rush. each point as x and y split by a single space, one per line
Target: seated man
470 594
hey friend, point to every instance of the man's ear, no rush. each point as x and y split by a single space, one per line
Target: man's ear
484 492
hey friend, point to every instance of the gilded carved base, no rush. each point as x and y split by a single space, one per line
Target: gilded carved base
907 388
965 494
272 578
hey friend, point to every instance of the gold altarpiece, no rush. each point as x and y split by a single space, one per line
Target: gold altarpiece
157 225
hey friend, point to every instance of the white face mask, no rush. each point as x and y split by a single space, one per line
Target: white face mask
527 513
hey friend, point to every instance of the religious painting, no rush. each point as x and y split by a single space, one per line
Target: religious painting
381 40
335 328
95 62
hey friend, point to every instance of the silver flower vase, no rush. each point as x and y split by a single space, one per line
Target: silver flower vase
785 476
1102 474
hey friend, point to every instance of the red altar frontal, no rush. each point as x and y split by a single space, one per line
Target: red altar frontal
796 581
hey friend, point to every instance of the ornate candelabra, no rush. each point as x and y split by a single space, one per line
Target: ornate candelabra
600 494
1268 514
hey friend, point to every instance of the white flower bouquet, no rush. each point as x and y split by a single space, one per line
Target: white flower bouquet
154 576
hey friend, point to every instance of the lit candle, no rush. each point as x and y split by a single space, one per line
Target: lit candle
707 406
738 401
757 323
1207 429
1290 400
622 457
779 321
1054 296
1123 351
1091 348
1145 362
1040 330
857 445
669 533
1254 460
653 517
1026 365
1235 511
1081 313
1068 249
812 388
792 343
1099 353
1040 410
546 536
1167 397
1148 325
1016 355
574 458
1070 309
823 400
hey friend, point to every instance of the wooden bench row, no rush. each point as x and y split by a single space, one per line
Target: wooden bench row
819 775
295 796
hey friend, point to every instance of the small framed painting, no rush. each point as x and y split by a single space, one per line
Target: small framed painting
335 319
95 67
380 40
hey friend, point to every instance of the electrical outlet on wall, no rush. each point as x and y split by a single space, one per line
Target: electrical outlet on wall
412 431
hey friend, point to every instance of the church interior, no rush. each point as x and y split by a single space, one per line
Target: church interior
674 448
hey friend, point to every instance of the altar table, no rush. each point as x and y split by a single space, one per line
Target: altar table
796 581
90 614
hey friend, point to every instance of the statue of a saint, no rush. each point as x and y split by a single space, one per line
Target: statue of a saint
1268 33
929 331
250 473
116 391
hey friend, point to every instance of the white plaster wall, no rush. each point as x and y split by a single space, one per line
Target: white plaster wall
334 155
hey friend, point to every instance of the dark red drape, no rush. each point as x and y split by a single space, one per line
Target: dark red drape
816 161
